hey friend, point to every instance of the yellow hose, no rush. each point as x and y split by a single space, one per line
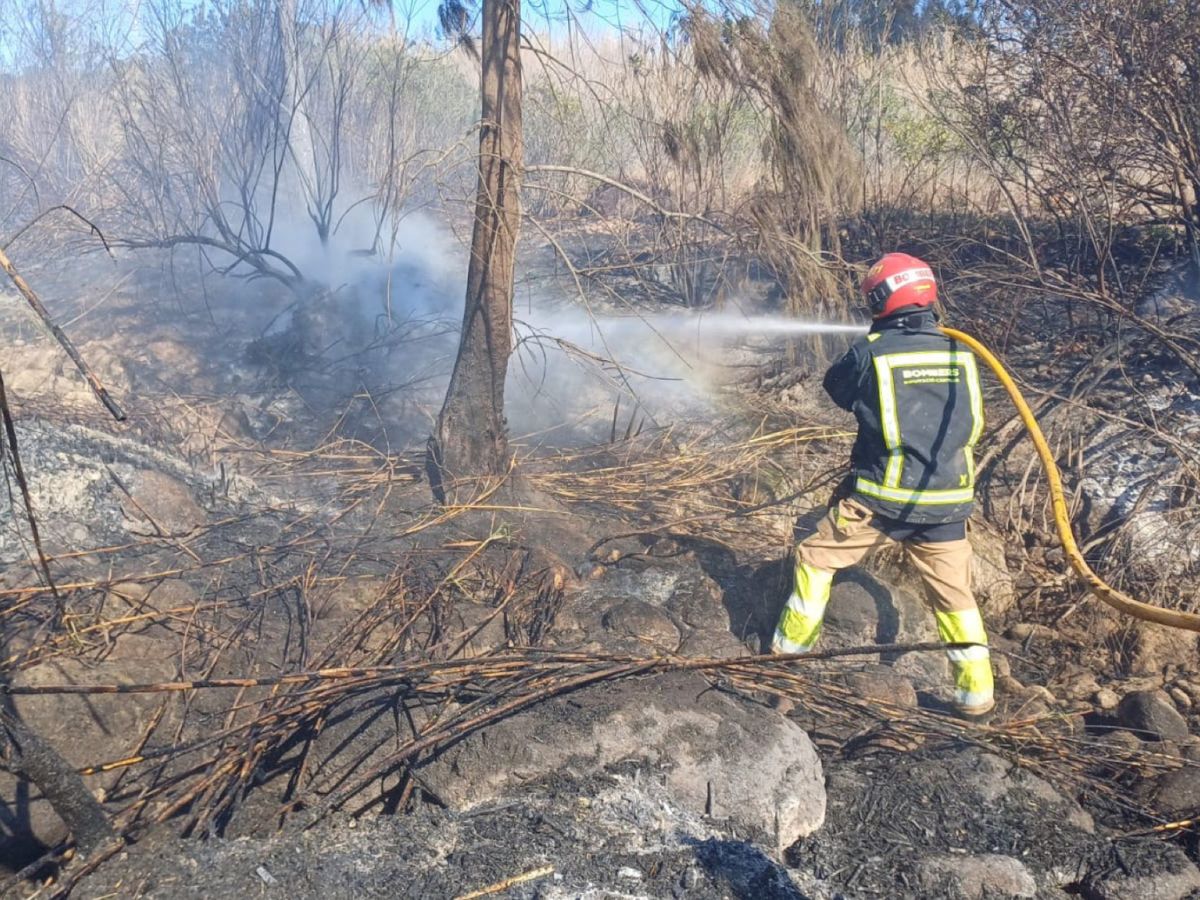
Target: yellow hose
1116 599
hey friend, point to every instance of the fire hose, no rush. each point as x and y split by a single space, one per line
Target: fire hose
1118 600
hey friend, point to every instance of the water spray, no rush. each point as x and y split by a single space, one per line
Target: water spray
731 324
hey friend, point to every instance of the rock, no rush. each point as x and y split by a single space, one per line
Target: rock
1190 749
1191 688
706 644
690 878
1024 631
462 629
1059 880
643 622
1001 667
1007 684
720 756
625 611
883 684
975 877
1080 687
754 609
1177 793
864 610
153 602
166 501
567 629
991 779
471 629
1122 740
1173 877
1181 698
352 597
860 612
1106 699
86 729
696 600
990 580
1151 716
1155 647
1041 693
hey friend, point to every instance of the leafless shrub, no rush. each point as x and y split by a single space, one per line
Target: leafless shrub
1086 122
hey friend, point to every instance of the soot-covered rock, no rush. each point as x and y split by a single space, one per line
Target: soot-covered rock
1152 716
975 877
1151 872
724 757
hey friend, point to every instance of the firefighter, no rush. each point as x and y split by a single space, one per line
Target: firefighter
916 396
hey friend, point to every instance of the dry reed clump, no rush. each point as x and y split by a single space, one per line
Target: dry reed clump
741 492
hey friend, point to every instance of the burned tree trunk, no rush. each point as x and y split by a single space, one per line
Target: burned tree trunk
471 439
29 756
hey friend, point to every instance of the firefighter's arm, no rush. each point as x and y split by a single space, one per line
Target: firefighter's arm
844 377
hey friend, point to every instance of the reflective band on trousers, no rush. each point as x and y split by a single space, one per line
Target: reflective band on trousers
973 699
968 654
780 644
965 626
800 622
972 665
812 585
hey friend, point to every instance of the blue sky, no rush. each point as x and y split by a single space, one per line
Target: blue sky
116 24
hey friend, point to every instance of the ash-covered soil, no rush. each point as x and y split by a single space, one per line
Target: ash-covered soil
899 826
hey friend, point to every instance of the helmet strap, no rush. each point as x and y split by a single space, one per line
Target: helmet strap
878 297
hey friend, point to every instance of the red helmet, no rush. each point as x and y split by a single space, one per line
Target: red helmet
896 281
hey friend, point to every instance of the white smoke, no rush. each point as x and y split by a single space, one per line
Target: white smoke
571 367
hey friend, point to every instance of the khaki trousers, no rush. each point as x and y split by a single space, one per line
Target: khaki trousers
845 536
842 539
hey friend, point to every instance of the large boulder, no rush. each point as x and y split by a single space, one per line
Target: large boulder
865 610
645 608
697 601
643 622
720 756
703 643
882 684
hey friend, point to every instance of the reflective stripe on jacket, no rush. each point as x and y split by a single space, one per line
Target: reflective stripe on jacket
916 395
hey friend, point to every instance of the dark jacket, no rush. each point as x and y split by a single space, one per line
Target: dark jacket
915 393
